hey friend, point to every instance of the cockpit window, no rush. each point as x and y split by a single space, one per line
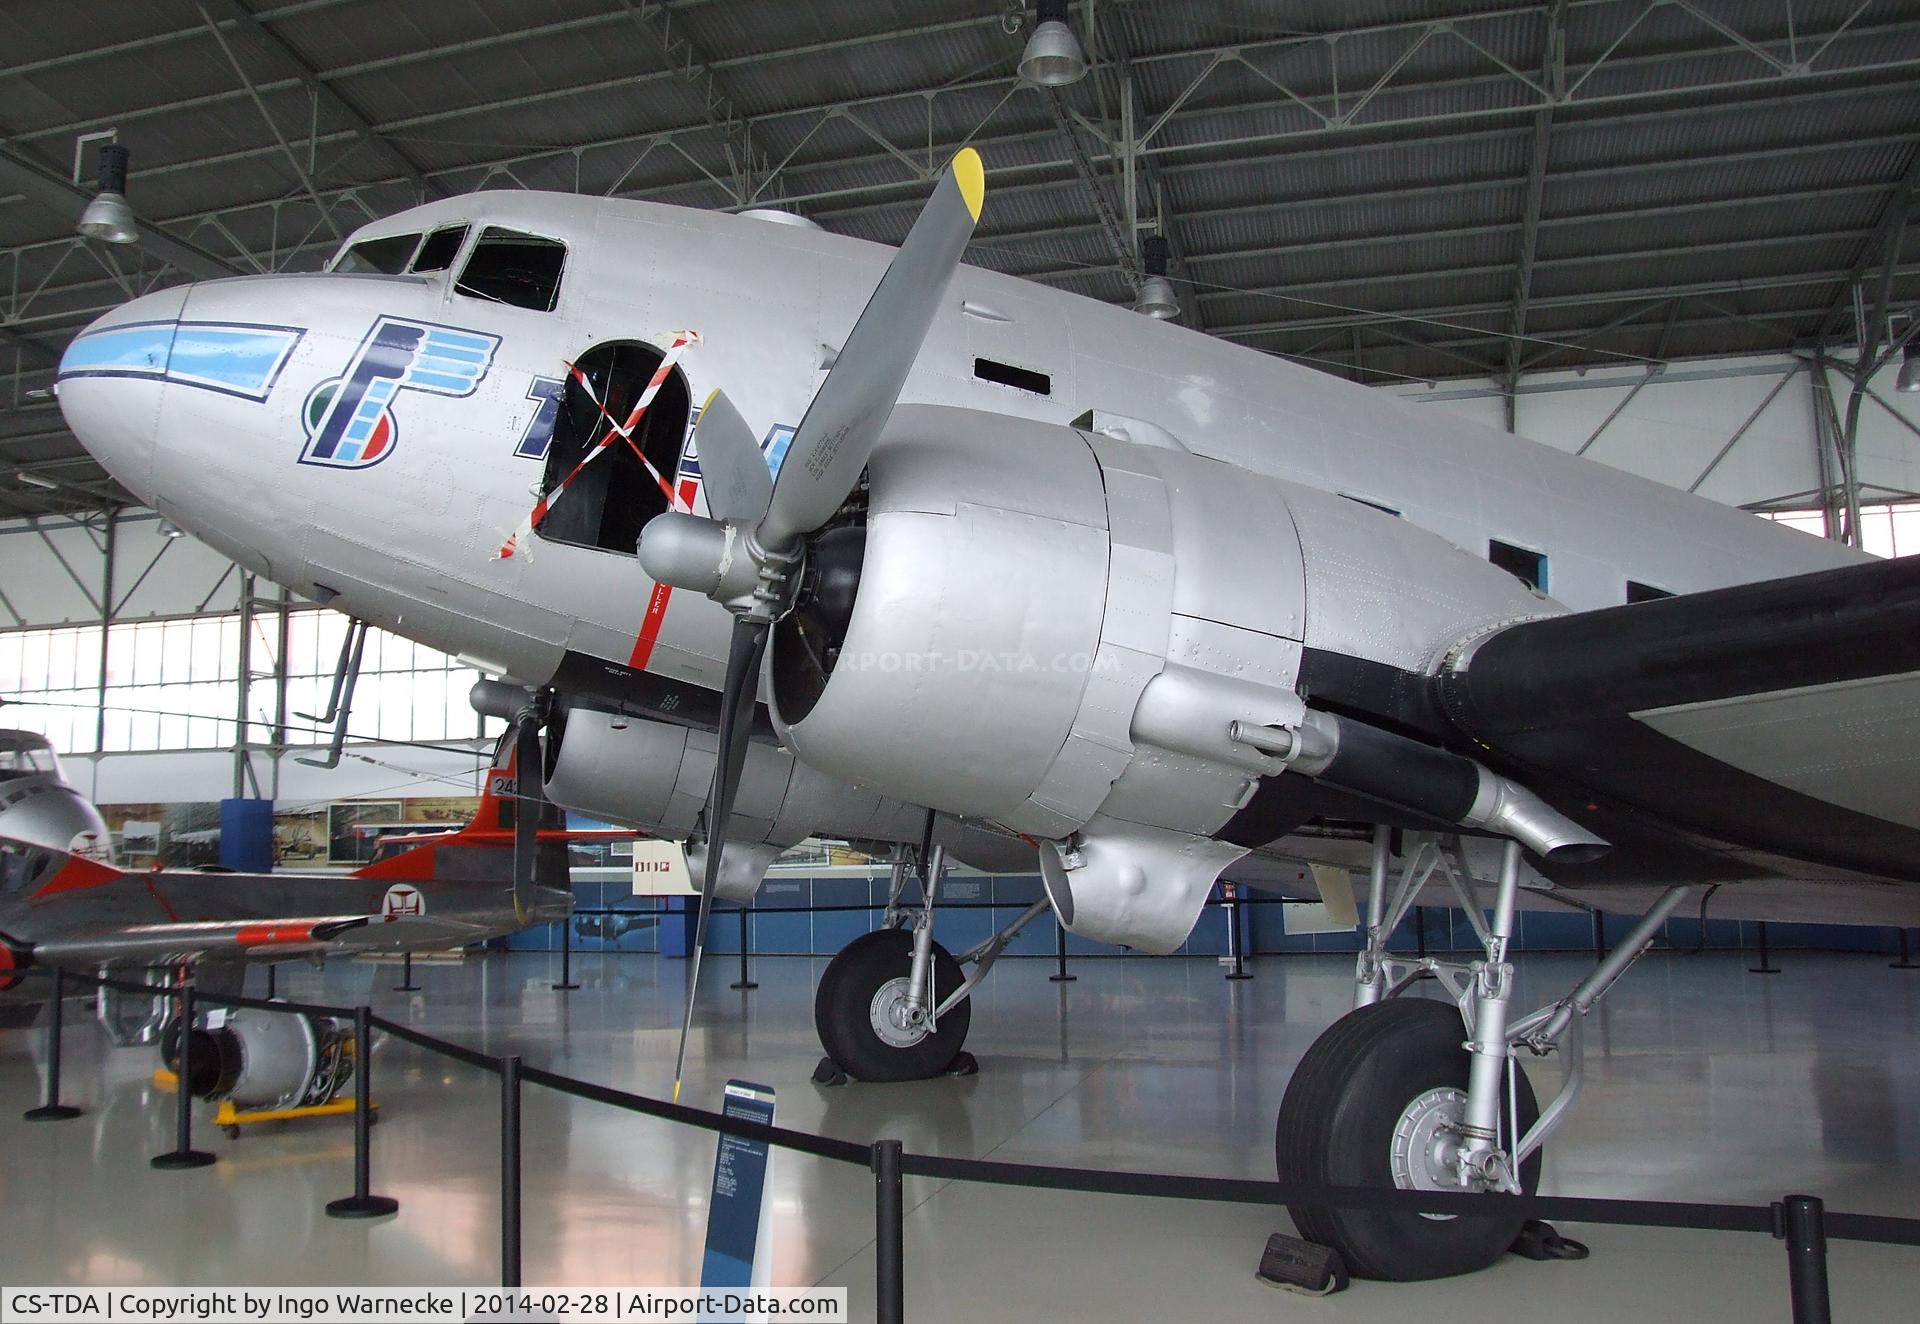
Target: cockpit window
514 268
385 256
441 248
24 760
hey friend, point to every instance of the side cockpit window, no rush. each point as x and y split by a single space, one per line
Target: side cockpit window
442 246
611 500
514 268
386 256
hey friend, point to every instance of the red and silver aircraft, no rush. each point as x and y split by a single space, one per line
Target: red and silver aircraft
504 871
1061 587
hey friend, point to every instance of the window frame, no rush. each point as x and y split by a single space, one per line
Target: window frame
419 238
480 228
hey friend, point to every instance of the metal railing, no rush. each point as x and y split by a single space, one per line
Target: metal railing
1802 1222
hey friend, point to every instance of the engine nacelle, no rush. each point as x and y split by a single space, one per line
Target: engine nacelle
655 776
1069 632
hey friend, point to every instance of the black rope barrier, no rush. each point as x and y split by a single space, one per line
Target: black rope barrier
1799 1220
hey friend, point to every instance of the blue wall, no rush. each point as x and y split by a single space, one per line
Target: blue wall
822 933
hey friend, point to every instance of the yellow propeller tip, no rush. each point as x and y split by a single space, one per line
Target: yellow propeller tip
676 1091
709 400
971 176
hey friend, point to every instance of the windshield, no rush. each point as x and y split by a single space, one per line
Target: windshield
386 256
513 268
19 758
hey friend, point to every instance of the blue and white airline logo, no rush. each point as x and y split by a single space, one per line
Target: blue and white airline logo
349 418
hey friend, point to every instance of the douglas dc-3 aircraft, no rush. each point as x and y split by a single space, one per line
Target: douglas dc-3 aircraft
1036 576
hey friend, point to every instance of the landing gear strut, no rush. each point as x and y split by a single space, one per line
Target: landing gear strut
895 1004
1422 1096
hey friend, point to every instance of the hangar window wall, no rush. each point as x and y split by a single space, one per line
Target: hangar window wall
1889 530
174 684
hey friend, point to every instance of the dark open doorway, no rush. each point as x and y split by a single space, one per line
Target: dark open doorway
615 496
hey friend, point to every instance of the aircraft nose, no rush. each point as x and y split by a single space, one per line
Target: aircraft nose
110 383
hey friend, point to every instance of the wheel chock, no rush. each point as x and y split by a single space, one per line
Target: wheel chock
1539 1241
1303 1267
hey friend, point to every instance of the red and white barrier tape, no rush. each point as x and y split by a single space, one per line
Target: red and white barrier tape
517 540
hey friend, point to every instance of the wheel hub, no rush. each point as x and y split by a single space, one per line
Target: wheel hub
1426 1145
892 1021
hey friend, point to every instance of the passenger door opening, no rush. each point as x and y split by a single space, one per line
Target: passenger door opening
612 499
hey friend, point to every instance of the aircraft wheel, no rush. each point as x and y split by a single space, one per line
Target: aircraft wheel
857 1010
1371 1104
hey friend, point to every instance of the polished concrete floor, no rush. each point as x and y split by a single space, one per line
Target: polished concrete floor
1704 1083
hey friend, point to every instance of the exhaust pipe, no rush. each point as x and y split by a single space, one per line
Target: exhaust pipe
1450 788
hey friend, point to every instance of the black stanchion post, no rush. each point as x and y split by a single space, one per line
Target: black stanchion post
510 1172
272 980
1599 935
1236 938
1799 1220
889 1270
183 1154
1906 961
53 1110
362 1203
406 984
746 976
1060 975
1420 929
1766 966
566 984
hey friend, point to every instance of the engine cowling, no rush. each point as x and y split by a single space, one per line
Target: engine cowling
970 644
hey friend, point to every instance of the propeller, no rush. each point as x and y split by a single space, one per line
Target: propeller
746 554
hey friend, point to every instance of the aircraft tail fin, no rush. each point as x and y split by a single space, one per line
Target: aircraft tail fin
491 829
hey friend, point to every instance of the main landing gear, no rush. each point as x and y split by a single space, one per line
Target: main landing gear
895 1004
1419 1095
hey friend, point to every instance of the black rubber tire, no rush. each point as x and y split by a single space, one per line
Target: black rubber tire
842 1010
1336 1129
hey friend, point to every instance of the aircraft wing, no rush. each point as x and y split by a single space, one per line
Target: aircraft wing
263 940
1784 714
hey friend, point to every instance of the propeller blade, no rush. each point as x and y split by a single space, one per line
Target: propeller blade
841 426
733 470
529 798
744 652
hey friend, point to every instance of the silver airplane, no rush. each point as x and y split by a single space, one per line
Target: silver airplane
38 804
947 558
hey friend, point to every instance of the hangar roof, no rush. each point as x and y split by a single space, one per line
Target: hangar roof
1358 185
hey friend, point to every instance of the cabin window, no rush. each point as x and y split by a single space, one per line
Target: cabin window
1529 567
382 257
1638 592
612 499
1005 374
442 246
513 268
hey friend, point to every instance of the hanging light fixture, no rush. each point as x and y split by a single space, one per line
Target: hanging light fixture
1909 379
108 217
1155 297
1053 57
